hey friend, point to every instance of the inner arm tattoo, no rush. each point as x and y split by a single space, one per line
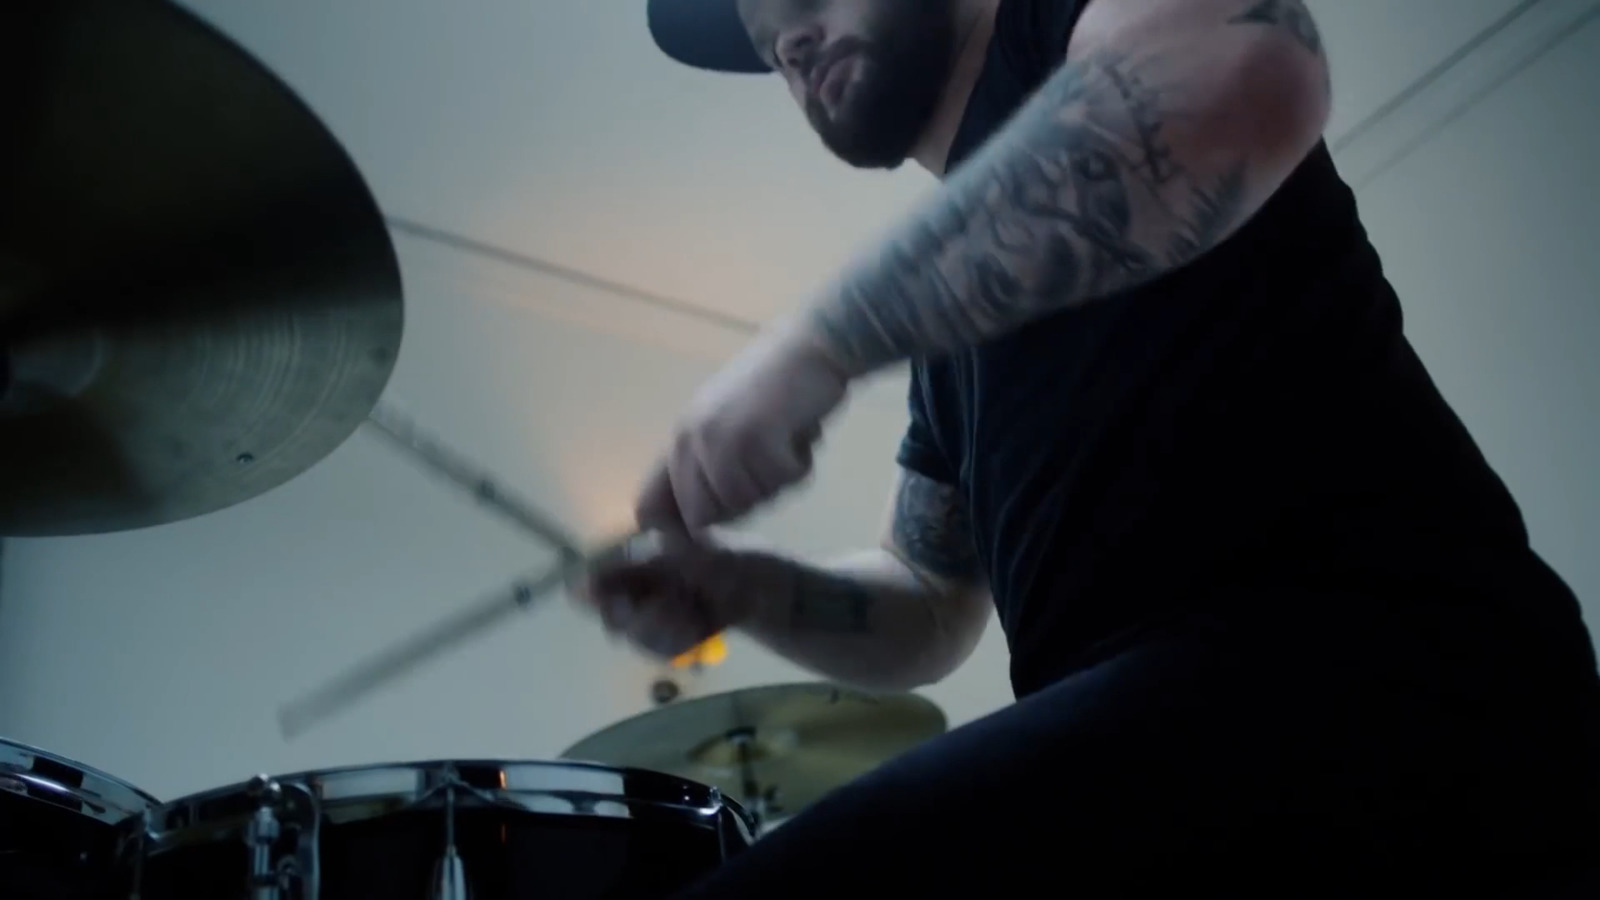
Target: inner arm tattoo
833 605
1080 197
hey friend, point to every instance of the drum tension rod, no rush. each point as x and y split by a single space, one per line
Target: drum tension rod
450 875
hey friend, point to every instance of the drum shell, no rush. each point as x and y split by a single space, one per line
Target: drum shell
48 852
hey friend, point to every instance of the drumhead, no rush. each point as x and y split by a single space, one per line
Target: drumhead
61 782
359 793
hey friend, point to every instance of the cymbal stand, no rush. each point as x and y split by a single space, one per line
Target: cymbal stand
404 433
760 803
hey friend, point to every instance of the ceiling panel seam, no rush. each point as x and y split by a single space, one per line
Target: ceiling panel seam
1446 93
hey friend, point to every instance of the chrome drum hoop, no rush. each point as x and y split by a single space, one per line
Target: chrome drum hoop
29 771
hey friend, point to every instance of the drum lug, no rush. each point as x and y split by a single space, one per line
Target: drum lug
282 850
265 880
261 836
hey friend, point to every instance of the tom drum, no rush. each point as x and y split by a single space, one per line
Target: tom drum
437 830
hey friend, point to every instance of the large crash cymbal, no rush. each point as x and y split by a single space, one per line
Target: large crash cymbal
198 296
777 749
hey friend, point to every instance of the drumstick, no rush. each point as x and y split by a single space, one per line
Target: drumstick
296 717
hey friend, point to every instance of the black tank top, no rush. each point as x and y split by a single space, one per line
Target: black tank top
1253 428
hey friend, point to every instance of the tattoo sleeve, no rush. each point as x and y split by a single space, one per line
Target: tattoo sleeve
1128 163
932 531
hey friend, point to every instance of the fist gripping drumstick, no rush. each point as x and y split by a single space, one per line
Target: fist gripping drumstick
296 717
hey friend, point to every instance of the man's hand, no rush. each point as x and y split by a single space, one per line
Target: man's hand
748 434
676 598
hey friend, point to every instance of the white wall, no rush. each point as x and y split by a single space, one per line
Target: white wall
162 655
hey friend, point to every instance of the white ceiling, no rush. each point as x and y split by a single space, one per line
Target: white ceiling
552 129
555 129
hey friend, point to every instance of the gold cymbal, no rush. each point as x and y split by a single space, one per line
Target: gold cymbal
781 747
199 298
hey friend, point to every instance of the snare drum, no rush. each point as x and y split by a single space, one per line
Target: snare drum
440 831
58 825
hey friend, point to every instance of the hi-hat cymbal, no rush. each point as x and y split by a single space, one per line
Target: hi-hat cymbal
198 296
780 747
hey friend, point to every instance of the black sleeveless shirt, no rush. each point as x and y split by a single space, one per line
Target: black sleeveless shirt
1254 426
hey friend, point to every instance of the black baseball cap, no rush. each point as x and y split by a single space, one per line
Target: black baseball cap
706 34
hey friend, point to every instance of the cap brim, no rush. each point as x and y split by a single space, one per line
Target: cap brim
706 34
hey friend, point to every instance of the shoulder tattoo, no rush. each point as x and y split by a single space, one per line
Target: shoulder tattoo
932 528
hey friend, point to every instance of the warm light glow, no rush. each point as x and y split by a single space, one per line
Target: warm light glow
710 652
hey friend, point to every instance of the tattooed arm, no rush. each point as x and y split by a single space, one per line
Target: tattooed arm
897 618
1169 124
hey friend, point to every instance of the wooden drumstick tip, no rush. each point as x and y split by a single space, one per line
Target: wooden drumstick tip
288 729
293 722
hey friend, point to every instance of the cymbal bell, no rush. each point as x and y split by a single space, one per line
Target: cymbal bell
779 747
199 298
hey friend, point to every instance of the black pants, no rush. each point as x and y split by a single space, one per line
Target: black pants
1312 754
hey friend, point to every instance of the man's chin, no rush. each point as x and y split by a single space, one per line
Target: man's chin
883 163
864 151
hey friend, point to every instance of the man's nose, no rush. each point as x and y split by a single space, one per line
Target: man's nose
797 47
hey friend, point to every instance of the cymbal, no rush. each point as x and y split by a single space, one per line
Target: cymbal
800 740
199 298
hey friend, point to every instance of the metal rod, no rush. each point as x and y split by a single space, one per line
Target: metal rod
453 467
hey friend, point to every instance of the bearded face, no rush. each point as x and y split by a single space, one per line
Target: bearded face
868 73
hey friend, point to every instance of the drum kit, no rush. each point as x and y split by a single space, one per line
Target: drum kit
199 300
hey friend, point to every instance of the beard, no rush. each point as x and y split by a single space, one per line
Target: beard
904 60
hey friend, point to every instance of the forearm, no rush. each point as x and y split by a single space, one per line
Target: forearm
865 621
1142 153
